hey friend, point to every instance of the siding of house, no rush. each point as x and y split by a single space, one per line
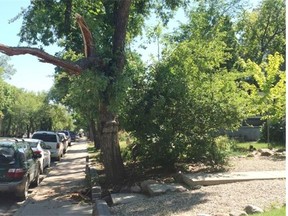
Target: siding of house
249 131
246 133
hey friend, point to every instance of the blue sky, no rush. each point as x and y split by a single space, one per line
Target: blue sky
31 74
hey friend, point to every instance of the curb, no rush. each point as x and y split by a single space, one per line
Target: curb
100 206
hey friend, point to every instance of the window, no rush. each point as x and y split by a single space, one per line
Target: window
6 155
45 137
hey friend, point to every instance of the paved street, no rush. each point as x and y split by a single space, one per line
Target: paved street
8 205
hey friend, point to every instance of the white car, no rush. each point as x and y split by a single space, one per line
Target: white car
39 147
53 140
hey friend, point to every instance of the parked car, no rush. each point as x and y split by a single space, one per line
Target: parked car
39 147
53 140
67 133
64 140
19 167
73 136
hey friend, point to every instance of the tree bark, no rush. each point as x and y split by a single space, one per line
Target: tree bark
93 134
109 142
113 163
121 22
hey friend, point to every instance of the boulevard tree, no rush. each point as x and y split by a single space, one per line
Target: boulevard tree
106 26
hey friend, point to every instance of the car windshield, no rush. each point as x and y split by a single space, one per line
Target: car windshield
33 144
45 137
6 155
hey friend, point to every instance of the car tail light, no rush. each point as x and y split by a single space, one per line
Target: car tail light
37 152
15 173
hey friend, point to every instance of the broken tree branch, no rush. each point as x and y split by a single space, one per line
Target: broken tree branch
72 68
87 36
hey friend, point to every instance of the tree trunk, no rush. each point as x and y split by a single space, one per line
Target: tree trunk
8 130
97 137
94 134
113 163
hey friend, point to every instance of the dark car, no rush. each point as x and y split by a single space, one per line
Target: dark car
19 168
73 136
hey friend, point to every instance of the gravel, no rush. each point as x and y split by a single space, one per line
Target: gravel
217 199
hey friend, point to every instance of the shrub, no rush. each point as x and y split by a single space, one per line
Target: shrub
224 143
210 151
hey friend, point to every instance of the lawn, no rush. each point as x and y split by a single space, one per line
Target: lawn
274 212
242 148
259 145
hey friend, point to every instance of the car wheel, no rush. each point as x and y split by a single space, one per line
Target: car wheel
58 158
24 192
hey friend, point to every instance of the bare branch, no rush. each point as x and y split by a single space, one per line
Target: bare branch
72 68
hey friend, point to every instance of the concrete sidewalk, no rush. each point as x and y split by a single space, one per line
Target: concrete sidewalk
230 177
58 193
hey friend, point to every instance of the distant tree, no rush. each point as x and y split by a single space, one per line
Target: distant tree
7 100
22 117
208 19
61 119
269 91
261 32
6 69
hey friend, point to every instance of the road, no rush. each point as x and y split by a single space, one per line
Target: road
9 205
